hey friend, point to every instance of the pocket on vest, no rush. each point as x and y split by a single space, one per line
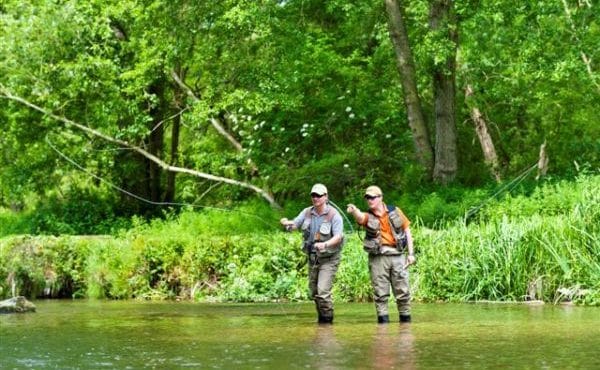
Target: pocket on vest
371 246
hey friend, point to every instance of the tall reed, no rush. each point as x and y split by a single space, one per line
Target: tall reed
536 253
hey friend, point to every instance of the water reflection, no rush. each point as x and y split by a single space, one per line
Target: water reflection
393 347
326 348
367 345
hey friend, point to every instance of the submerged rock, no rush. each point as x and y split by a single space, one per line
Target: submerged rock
16 305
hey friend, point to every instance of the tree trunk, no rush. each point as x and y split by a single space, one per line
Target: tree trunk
406 69
442 20
542 162
174 153
155 141
170 188
487 144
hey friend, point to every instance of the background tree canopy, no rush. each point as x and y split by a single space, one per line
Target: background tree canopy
281 94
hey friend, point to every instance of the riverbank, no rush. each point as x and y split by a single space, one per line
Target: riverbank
542 247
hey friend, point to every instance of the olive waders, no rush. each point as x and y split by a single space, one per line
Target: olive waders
322 272
322 265
387 266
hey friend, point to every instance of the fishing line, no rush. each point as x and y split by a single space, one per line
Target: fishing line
342 213
142 199
81 168
510 186
279 304
347 220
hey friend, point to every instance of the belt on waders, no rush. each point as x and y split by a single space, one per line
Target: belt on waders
313 258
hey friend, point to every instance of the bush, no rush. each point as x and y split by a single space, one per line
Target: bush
545 246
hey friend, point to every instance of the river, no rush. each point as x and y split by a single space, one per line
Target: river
84 334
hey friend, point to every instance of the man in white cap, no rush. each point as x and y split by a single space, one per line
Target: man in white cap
322 232
390 246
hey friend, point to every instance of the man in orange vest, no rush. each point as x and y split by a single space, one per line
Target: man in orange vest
390 246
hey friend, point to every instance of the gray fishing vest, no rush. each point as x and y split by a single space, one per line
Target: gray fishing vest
372 243
324 233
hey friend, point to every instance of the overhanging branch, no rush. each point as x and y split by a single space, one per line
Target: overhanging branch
165 166
213 121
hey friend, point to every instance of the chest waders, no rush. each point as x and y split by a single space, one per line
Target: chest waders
386 265
372 243
322 265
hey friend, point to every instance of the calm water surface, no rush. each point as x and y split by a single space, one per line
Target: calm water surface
171 335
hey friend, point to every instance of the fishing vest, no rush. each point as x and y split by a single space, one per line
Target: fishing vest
372 243
324 233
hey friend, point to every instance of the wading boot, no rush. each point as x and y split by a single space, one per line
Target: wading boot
404 318
325 319
383 319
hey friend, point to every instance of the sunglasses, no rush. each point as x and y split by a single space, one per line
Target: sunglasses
371 197
315 195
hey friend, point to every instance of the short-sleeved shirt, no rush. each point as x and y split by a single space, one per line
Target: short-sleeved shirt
337 225
387 237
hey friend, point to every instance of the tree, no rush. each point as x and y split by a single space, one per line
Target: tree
117 53
405 62
441 163
139 150
443 24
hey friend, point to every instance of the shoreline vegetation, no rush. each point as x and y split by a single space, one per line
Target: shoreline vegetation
542 246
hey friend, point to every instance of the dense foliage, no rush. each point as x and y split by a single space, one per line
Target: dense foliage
98 98
543 246
307 91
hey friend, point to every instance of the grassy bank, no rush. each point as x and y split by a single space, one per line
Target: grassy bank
541 246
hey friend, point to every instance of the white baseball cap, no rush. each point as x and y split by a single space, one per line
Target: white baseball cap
319 189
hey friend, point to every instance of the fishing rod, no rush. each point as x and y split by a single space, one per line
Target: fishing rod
506 187
174 204
347 220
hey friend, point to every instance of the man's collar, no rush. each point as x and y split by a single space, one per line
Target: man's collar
381 207
325 210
